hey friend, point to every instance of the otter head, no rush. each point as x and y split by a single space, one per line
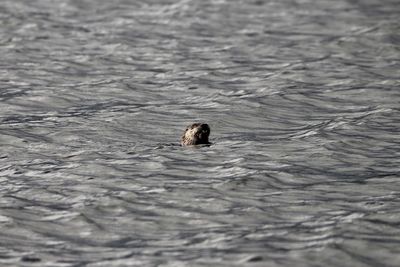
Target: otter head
196 134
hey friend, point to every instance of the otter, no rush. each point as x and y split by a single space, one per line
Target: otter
196 134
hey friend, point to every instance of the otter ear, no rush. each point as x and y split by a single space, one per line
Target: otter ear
189 127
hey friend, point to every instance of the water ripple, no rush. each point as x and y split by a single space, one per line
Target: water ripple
302 99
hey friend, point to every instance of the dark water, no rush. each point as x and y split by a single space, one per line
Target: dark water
303 102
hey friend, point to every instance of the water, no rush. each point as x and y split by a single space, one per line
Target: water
303 102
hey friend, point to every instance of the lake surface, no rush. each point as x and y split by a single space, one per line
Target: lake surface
303 101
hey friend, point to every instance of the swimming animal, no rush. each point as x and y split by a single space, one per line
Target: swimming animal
196 134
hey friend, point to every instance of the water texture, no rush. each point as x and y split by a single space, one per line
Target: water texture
303 101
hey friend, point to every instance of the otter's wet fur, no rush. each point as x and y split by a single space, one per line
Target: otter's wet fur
196 134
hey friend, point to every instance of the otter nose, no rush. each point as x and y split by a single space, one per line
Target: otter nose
205 127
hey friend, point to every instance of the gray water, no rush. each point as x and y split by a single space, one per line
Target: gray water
303 102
